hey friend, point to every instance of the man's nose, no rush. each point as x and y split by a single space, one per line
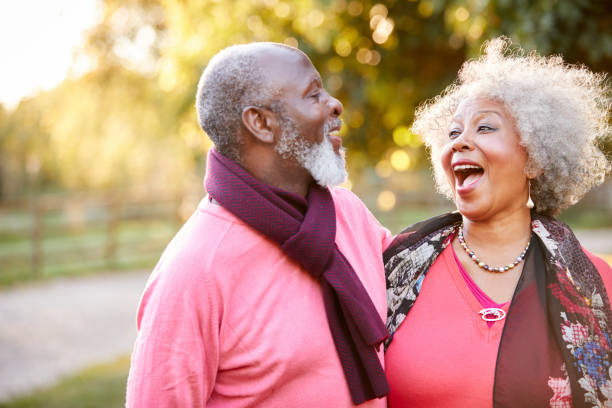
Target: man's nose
336 106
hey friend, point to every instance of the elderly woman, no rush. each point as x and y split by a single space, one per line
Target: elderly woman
497 304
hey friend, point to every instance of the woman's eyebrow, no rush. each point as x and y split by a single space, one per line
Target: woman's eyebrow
483 112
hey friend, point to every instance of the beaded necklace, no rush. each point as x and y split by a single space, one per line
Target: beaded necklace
483 265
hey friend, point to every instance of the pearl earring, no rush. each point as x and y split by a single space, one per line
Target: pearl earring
529 203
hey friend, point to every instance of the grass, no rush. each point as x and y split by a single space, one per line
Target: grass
101 386
591 219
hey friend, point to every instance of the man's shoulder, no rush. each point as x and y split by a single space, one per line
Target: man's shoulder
210 220
203 237
345 197
209 224
350 207
353 215
213 237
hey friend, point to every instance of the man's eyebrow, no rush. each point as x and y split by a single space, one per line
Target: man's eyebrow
315 80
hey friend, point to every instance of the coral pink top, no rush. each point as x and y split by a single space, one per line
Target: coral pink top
484 299
444 354
227 320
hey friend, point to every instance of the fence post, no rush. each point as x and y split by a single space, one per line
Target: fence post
38 226
112 222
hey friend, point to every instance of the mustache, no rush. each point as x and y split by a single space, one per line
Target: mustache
335 123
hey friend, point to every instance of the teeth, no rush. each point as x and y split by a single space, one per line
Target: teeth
463 167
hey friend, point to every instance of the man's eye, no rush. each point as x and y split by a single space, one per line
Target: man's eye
316 95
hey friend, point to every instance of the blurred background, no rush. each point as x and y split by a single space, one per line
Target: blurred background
102 160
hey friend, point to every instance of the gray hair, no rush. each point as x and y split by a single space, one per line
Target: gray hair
561 113
232 80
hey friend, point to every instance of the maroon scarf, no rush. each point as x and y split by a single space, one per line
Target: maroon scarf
306 232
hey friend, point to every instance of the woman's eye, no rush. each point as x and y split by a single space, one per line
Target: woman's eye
485 128
316 95
453 134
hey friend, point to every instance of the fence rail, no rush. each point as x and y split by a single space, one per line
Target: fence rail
73 232
52 234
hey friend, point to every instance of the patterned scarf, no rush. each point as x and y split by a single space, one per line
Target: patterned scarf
308 238
557 338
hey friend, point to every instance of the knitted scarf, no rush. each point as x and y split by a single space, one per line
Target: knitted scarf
556 347
306 232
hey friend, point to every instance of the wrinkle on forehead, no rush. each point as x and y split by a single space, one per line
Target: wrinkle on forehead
492 106
279 63
479 114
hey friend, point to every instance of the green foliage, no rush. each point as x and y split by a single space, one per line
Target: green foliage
101 386
131 120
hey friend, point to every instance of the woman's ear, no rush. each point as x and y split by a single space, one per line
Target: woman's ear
262 123
532 172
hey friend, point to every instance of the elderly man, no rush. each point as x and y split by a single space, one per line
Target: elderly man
273 292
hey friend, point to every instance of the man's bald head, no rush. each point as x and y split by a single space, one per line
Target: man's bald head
234 79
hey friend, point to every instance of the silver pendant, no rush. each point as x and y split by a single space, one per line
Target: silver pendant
492 314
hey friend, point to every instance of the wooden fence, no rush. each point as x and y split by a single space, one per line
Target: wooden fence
57 233
74 233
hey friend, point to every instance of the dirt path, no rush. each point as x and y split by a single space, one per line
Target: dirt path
51 329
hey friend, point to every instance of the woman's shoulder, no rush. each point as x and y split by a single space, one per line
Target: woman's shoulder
422 232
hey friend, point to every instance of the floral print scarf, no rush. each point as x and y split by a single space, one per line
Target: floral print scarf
556 347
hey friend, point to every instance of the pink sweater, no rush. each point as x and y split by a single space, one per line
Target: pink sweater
444 354
227 320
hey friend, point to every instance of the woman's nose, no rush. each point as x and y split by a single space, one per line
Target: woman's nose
463 142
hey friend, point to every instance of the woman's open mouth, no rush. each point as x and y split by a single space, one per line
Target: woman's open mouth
467 175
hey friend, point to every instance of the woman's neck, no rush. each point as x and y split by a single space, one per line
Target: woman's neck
498 232
497 243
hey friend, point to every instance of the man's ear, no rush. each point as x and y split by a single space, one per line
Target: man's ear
262 123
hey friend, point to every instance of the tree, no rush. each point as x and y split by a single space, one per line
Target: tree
381 59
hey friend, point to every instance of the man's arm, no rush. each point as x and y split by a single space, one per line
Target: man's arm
175 357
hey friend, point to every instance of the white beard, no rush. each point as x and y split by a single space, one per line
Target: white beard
325 166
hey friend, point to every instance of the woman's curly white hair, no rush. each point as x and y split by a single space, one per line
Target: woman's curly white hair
561 114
